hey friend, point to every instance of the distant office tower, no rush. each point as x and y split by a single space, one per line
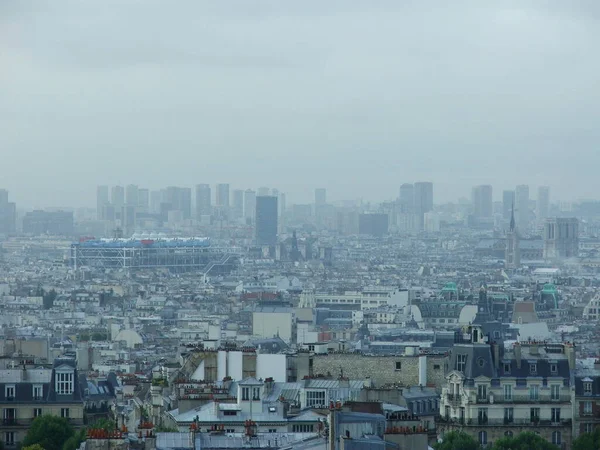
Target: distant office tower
8 213
561 238
238 204
249 205
266 220
101 200
132 195
282 205
156 198
144 200
543 203
178 199
128 219
320 196
423 201
203 200
263 192
481 199
407 198
522 207
508 202
117 197
373 224
57 223
275 192
222 197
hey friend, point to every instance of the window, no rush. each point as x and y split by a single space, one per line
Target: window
245 394
230 430
436 367
447 412
272 430
534 414
534 392
555 392
9 392
506 367
482 416
37 412
9 438
315 398
302 428
64 383
398 365
461 362
483 437
588 427
509 415
508 392
587 408
555 415
9 415
64 412
508 434
229 413
533 368
37 392
482 392
556 437
256 393
587 388
553 368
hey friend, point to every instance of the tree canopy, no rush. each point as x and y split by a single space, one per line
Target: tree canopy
50 432
33 447
588 441
524 441
457 440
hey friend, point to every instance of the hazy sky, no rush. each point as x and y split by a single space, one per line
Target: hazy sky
354 96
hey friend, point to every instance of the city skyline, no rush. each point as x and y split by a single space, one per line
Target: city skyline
461 97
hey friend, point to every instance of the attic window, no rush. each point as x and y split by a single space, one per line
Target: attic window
481 362
272 409
533 368
553 368
506 367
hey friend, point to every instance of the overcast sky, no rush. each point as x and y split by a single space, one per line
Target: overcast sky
354 96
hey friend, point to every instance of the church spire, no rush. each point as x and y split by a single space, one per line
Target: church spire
512 218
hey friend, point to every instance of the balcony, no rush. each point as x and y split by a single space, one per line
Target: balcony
526 398
453 399
483 421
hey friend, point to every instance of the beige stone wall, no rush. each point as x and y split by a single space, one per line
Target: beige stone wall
381 369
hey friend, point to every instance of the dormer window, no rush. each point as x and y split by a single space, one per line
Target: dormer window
587 388
533 368
9 392
245 394
506 368
553 368
64 383
256 393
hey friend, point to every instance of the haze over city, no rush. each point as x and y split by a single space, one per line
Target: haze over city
357 97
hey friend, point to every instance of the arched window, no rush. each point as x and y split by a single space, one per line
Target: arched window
483 437
556 437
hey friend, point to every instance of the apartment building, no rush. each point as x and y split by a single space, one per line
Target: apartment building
586 398
491 393
29 392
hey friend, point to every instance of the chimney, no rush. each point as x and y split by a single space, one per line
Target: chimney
517 350
570 352
332 427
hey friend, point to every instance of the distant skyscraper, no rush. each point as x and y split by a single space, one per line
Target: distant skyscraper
407 198
522 207
117 197
282 205
320 197
266 220
144 200
482 201
373 224
263 191
222 197
131 195
249 205
178 199
101 200
423 201
203 200
238 204
156 198
508 202
8 213
543 203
